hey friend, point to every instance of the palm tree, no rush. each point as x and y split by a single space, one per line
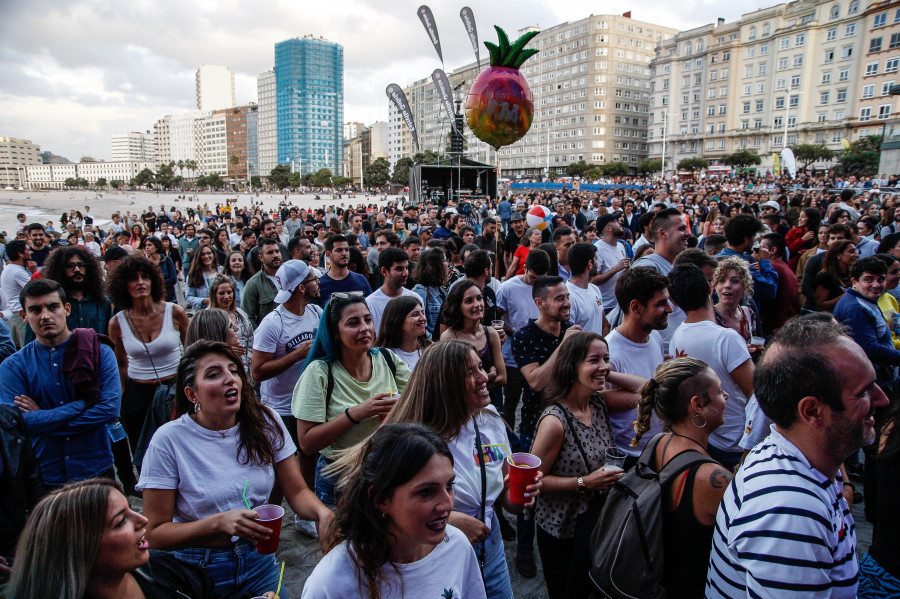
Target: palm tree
180 166
191 165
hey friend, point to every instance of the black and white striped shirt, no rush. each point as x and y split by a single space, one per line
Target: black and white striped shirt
783 530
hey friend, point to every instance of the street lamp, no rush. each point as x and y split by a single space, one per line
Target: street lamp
662 166
787 110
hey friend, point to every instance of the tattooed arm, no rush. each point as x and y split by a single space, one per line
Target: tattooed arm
709 487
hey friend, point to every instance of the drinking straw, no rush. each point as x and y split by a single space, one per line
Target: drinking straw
247 503
280 578
509 454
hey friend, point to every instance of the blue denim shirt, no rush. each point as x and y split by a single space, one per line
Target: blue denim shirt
70 440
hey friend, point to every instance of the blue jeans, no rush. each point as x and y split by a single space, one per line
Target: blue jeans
496 570
325 484
240 568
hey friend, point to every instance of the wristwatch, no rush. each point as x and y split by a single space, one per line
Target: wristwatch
581 486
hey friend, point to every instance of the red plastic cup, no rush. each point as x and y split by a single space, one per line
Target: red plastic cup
269 516
523 468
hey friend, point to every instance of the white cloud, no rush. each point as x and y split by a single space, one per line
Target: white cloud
75 72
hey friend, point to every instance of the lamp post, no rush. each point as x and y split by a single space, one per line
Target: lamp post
787 111
662 166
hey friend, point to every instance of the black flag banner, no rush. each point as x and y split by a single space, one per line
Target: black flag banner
395 94
442 84
468 19
427 19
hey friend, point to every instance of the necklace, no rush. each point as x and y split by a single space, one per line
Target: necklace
690 439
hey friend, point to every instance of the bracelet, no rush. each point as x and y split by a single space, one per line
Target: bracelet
847 483
349 417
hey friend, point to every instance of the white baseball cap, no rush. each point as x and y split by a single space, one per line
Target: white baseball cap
289 276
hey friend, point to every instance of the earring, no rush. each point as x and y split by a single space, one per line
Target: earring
694 420
196 407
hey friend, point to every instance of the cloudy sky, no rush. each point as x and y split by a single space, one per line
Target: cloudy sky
75 71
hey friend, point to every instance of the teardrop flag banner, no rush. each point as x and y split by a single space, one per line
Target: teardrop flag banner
442 84
468 19
395 94
427 19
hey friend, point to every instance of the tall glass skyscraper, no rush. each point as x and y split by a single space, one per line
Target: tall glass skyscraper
309 81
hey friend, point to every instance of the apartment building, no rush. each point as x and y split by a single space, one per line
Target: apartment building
880 66
15 156
237 139
176 138
212 144
133 146
267 123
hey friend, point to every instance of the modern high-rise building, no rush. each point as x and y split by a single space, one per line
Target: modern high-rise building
267 123
133 146
215 87
212 144
237 128
177 139
15 156
309 79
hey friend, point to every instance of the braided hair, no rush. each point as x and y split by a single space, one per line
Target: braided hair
669 393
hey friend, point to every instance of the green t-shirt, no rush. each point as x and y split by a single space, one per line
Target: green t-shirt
308 402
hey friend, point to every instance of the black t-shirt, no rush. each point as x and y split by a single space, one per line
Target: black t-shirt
491 312
40 256
532 345
165 577
512 242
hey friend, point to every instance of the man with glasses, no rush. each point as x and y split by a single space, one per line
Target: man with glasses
339 277
280 345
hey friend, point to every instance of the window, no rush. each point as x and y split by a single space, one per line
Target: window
752 35
826 77
795 81
865 114
722 141
779 103
757 123
798 60
765 30
748 72
844 75
850 30
875 44
799 40
895 41
792 122
884 111
841 96
783 62
839 115
794 101
835 12
759 106
778 140
820 118
712 93
886 88
871 69
710 129
710 111
745 124
713 75
780 83
725 73
762 69
831 34
854 7
880 20
761 87
829 57
784 43
764 50
723 92
823 98
846 52
723 109
748 89
868 91
746 108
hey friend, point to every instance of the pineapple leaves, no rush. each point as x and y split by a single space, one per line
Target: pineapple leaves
511 56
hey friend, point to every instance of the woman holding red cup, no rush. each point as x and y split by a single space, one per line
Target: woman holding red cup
448 392
201 471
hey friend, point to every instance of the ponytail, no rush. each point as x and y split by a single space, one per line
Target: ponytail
645 407
669 393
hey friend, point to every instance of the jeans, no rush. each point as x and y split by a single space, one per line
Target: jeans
240 568
496 570
325 484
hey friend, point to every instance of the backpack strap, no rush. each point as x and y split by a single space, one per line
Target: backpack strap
390 361
571 424
681 462
329 386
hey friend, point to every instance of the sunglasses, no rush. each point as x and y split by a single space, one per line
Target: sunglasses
344 295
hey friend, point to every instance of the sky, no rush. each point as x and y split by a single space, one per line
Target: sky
76 71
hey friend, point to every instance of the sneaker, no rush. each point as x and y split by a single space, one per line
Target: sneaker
306 527
507 530
525 565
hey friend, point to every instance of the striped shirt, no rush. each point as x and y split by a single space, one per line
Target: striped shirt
782 530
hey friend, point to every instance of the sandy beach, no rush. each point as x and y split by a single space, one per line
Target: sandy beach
43 206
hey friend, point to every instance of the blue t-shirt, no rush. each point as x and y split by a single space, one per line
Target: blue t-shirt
352 282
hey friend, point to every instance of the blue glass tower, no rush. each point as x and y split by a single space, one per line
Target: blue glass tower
309 83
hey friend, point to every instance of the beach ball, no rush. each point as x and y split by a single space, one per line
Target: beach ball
539 217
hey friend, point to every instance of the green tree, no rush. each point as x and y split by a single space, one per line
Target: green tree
101 182
143 178
116 183
401 171
741 159
234 160
255 182
165 177
70 182
614 169
215 181
293 180
595 172
426 157
191 165
341 181
861 159
377 172
552 175
321 178
806 154
279 176
650 166
693 164
578 169
305 180
180 165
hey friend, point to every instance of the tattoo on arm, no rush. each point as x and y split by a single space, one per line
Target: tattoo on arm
719 478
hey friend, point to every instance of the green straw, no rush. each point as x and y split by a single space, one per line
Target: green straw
280 578
244 495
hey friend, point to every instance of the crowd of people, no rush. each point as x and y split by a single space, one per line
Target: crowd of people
377 367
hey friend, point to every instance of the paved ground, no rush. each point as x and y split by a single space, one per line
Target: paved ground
300 553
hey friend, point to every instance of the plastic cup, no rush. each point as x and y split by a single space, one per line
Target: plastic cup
395 397
522 469
497 324
269 516
758 342
615 460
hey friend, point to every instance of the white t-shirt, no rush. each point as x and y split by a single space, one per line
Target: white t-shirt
757 425
203 467
467 488
12 280
514 298
606 257
723 349
587 307
377 301
640 359
450 570
411 358
664 267
280 333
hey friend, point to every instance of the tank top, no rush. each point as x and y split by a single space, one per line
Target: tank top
686 543
163 353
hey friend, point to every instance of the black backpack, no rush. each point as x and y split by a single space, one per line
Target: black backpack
627 543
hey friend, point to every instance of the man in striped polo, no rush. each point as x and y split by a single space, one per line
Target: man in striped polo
784 529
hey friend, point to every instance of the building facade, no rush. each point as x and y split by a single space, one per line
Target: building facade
215 87
53 176
133 146
16 155
237 128
177 139
212 144
267 124
880 69
309 79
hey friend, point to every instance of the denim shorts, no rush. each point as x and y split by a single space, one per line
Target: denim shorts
239 568
325 484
